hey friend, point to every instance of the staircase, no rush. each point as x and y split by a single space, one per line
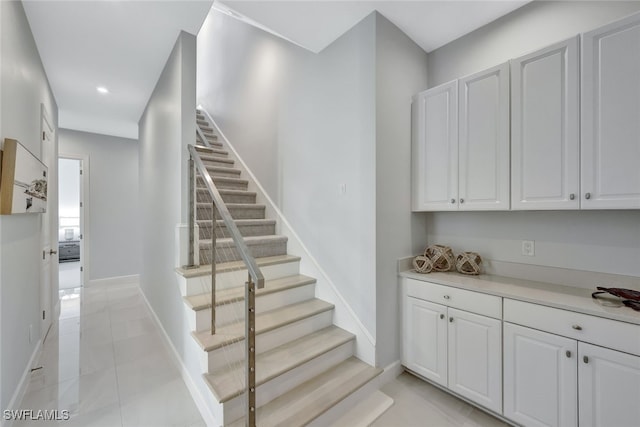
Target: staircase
305 365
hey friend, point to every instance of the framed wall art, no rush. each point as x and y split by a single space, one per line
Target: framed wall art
23 181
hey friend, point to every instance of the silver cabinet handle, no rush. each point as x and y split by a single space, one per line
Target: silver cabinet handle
587 196
572 196
461 200
453 201
568 354
52 252
442 316
446 297
451 319
585 359
577 327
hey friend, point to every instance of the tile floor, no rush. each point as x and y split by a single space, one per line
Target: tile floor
69 275
105 362
419 404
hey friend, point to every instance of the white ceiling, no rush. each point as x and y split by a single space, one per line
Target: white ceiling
316 24
123 45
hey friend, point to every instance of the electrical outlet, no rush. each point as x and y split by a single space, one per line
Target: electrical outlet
342 189
528 248
30 334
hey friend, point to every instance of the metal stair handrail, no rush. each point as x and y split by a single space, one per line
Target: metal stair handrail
204 140
255 276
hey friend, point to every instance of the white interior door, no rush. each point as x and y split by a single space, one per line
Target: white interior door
49 220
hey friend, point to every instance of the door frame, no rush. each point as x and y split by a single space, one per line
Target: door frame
84 213
49 288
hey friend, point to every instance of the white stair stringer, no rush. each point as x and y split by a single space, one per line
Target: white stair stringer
303 345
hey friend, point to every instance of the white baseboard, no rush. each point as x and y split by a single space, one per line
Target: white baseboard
16 400
199 400
115 281
391 371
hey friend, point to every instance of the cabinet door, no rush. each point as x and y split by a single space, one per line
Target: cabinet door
475 358
540 378
545 129
425 339
484 140
435 149
609 387
610 150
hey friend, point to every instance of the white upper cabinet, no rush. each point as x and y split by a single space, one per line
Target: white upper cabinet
461 162
435 149
610 151
484 140
545 128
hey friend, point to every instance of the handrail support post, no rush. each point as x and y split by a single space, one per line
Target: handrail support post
250 338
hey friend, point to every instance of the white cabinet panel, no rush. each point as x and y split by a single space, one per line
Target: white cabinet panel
540 377
545 130
610 151
609 387
475 358
425 339
435 149
484 140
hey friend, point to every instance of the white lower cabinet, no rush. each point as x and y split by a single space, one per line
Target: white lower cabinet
540 377
608 386
475 358
454 348
425 343
554 380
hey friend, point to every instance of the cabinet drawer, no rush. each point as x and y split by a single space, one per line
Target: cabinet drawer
614 334
474 302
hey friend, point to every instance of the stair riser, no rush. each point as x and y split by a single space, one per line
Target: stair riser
212 144
244 212
223 171
236 407
224 185
232 254
245 230
218 163
230 279
234 312
204 197
266 341
217 152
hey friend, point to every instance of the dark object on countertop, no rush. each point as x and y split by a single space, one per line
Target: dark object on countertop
635 305
631 297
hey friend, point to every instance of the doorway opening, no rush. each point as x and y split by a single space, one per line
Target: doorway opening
71 233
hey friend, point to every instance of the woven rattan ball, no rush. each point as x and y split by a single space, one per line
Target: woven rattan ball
441 256
422 264
468 263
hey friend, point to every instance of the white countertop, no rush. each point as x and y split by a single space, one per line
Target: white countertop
563 297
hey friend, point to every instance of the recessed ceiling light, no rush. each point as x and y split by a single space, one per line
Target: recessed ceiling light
102 89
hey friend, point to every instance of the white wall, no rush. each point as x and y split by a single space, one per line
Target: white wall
114 201
401 71
533 26
304 124
68 196
24 88
170 114
605 241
